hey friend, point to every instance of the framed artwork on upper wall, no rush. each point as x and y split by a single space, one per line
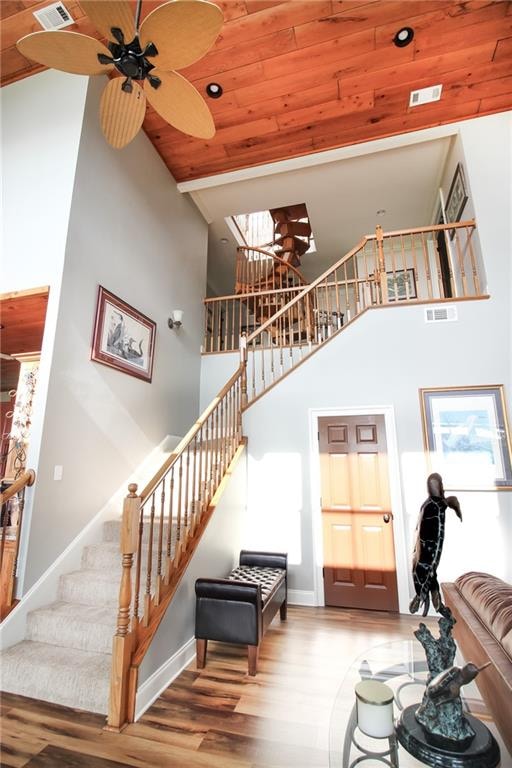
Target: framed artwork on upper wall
466 436
457 198
123 337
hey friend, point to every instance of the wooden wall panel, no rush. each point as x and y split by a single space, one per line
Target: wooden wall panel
306 75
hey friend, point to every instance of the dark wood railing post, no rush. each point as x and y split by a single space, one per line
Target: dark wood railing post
123 639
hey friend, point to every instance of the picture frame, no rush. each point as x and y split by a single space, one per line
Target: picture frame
397 282
123 337
457 198
466 436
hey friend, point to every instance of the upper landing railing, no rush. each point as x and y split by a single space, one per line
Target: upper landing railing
425 264
415 266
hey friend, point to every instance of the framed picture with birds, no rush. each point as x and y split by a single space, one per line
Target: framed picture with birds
140 58
123 338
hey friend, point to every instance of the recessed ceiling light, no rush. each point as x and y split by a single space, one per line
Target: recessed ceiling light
381 212
224 240
214 90
403 37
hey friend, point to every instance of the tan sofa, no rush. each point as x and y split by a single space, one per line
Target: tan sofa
482 606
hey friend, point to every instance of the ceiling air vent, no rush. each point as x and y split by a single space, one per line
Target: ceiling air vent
440 314
54 16
425 95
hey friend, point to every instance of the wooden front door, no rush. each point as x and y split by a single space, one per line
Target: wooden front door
359 556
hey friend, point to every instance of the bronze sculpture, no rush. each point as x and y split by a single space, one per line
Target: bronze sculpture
429 546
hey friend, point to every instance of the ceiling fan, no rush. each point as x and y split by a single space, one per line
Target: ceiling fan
171 37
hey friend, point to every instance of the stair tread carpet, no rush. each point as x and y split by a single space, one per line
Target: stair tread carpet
66 676
72 625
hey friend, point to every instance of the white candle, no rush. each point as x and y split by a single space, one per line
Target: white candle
375 709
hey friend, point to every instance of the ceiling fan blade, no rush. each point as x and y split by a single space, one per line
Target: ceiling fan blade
180 104
106 14
182 30
67 51
121 113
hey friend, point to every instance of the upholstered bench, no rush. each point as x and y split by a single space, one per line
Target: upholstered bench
239 608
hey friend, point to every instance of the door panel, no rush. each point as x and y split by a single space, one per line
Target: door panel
359 560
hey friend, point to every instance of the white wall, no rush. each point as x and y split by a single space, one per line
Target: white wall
41 126
132 232
383 359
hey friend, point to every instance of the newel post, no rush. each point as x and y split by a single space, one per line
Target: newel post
381 274
243 360
118 710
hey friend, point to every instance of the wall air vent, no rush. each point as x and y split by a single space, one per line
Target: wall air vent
54 16
425 95
441 314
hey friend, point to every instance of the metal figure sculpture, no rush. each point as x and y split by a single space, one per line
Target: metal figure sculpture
429 546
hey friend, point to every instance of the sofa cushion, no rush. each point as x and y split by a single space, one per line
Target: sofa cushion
268 578
491 599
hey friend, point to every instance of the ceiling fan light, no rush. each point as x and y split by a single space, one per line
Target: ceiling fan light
403 37
214 90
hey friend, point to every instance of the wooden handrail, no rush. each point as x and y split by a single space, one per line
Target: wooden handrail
408 266
160 531
419 230
276 258
10 541
238 296
186 440
27 478
309 288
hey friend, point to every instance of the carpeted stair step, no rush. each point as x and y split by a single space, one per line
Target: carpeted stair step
106 556
89 587
64 676
84 627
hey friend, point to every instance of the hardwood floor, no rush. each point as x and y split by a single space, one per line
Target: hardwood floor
218 717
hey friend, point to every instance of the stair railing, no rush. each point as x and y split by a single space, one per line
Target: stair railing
12 505
160 531
259 270
420 265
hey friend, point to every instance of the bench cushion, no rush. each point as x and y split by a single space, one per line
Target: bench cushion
268 578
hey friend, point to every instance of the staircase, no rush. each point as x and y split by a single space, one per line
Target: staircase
68 655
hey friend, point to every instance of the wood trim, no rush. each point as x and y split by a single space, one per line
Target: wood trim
42 291
26 479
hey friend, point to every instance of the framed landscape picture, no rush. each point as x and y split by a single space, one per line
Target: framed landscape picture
123 337
401 285
467 437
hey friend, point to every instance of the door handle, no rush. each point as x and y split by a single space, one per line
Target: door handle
387 517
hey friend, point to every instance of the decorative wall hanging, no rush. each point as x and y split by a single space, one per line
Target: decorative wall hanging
467 437
457 198
123 337
401 285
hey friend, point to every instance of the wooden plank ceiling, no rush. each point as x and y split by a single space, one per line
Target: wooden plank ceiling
22 318
300 77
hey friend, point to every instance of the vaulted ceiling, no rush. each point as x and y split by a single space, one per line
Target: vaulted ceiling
304 76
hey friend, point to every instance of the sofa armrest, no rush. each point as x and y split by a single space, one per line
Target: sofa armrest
264 559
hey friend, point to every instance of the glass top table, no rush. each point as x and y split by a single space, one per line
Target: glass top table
402 666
